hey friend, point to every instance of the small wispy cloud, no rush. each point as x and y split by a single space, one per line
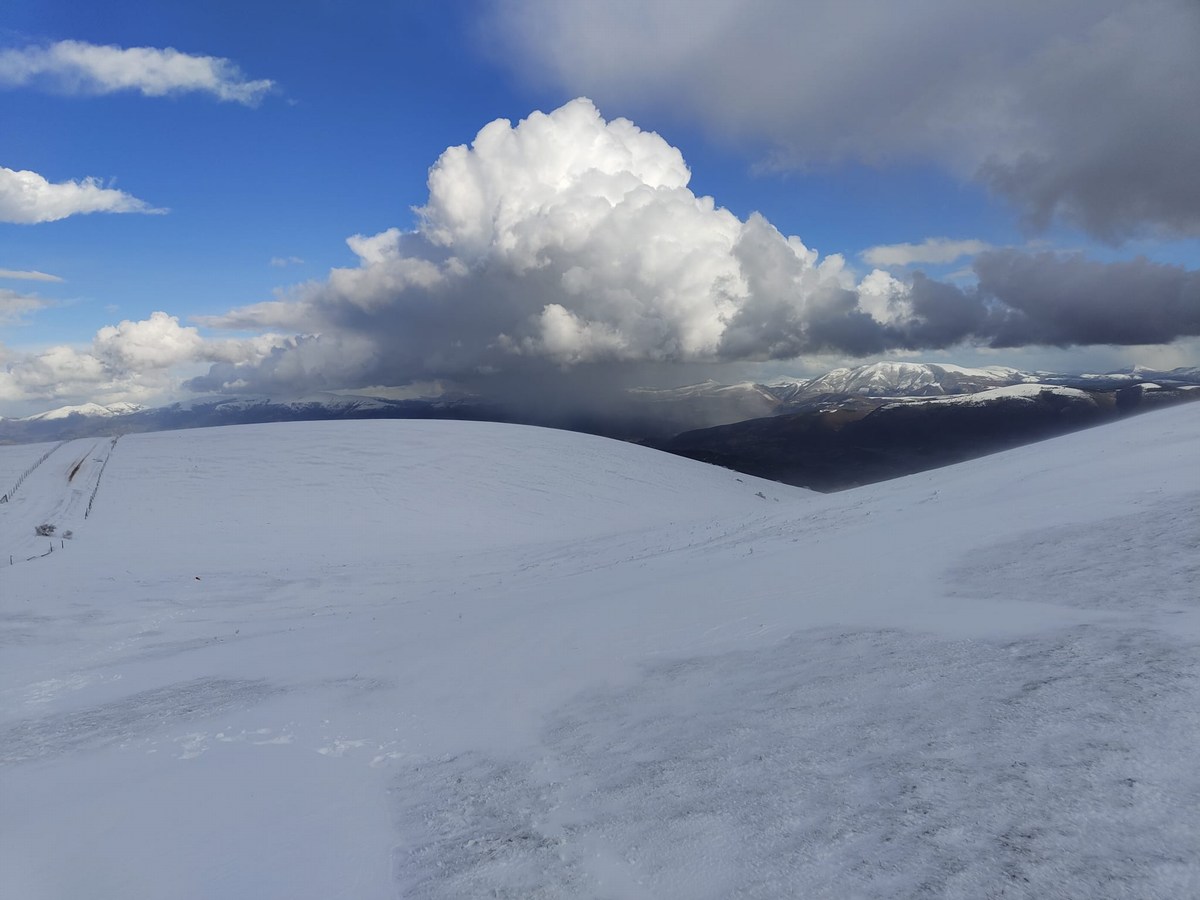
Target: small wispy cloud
15 306
27 275
77 67
282 262
27 198
932 251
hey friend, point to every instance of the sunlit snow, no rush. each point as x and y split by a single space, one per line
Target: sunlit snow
446 660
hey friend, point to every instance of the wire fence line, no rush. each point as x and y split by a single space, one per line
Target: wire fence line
92 499
50 532
21 478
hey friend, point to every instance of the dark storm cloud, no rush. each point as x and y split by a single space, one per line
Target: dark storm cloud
1065 300
1084 110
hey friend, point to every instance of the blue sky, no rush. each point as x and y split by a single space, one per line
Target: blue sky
831 122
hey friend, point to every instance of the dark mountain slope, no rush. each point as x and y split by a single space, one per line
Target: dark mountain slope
830 450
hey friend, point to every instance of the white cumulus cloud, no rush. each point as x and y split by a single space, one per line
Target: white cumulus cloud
563 239
27 197
77 67
133 360
154 343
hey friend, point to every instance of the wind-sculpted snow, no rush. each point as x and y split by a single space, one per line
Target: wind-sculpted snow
441 659
835 764
1137 561
141 713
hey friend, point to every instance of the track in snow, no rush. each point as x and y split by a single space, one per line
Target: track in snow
57 490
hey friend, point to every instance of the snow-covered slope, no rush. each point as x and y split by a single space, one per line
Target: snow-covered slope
408 659
1012 392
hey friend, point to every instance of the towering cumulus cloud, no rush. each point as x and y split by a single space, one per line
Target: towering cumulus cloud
567 242
565 239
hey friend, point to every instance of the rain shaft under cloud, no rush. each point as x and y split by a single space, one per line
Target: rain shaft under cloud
571 242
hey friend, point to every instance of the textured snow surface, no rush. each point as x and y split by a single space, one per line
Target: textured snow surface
446 660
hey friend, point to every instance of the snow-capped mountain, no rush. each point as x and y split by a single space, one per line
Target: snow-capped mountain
381 659
88 420
905 379
90 410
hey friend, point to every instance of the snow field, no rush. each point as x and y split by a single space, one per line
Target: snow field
405 659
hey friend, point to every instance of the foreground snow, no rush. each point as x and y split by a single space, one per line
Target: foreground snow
380 659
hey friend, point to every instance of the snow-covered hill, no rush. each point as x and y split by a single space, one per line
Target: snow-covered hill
1029 392
445 659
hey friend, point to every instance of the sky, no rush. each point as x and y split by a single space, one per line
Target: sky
217 197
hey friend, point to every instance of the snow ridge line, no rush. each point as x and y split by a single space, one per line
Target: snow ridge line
92 499
45 456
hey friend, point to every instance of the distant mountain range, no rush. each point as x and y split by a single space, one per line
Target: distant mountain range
849 426
857 426
896 379
92 419
89 410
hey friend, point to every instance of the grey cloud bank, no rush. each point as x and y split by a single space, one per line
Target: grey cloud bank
1086 111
